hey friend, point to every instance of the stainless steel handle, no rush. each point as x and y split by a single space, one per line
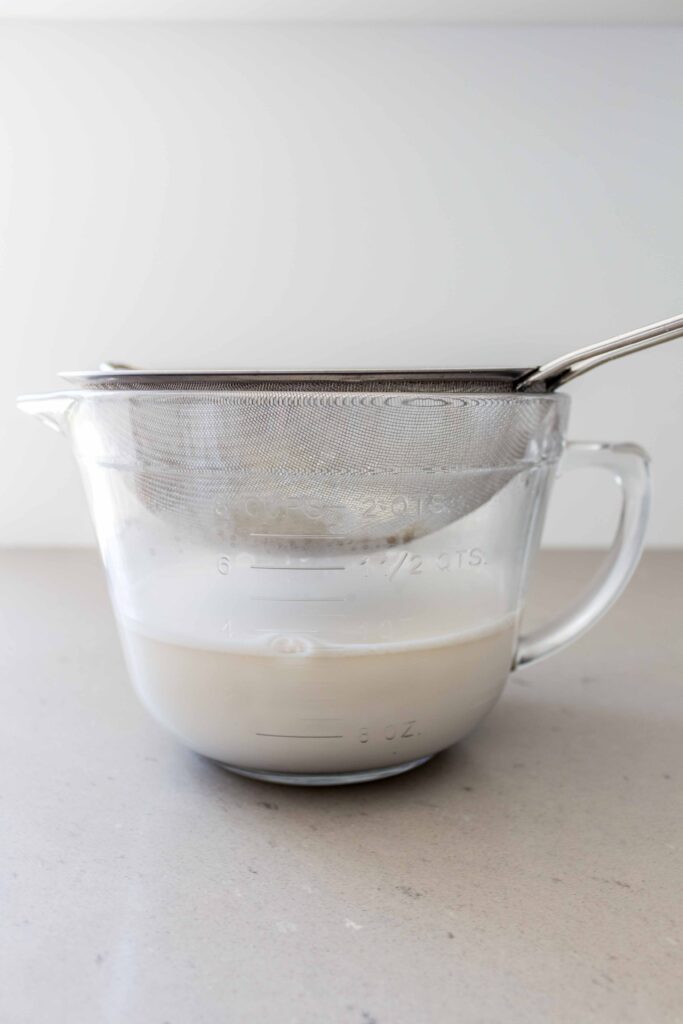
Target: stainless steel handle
566 368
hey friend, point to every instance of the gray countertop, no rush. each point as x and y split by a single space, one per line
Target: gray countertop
531 874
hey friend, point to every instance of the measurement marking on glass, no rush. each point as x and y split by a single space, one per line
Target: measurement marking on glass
299 600
284 629
398 565
302 568
299 536
290 736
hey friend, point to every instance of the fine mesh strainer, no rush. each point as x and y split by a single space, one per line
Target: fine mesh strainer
316 471
328 460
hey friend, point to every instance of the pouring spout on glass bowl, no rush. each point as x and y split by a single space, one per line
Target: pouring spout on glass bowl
51 409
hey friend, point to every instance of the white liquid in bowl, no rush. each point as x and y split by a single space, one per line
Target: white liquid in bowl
285 705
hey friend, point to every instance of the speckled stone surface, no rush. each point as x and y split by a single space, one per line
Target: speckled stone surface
532 874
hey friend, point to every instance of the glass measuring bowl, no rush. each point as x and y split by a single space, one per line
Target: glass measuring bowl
303 617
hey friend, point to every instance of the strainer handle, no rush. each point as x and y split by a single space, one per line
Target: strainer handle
629 466
561 371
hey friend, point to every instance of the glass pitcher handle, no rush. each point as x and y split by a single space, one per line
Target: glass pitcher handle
629 466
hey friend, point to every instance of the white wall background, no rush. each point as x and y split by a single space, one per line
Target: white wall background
217 195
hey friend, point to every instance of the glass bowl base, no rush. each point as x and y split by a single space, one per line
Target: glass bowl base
326 778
